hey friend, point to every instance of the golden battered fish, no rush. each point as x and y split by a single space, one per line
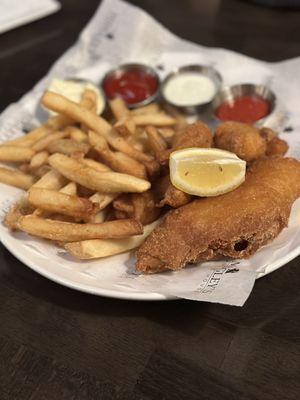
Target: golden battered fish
242 139
194 135
233 225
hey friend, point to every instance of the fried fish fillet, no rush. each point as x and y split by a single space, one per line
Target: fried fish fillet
194 135
233 225
242 139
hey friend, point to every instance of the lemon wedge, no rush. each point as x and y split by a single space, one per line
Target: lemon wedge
206 172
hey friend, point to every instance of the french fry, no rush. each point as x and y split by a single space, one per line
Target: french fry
89 100
152 108
168 134
95 164
118 108
78 113
58 122
99 217
70 188
62 203
72 232
39 159
103 199
68 147
91 249
16 178
123 146
14 154
12 217
140 206
117 161
51 180
156 142
144 207
43 143
77 134
78 189
16 211
106 182
24 168
30 138
41 171
53 123
158 119
138 142
125 127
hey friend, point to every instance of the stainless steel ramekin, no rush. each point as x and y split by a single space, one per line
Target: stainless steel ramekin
208 71
229 93
127 67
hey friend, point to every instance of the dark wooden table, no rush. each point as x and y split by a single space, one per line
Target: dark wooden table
57 343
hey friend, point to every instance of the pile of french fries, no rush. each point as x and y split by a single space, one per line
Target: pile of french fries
87 180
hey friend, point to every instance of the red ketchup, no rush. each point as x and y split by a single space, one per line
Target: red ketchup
133 85
246 109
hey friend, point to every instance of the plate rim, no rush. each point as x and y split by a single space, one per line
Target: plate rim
123 295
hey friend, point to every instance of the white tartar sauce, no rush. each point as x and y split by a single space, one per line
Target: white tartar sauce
189 89
74 90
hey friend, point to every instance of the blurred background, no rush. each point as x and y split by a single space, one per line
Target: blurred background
269 32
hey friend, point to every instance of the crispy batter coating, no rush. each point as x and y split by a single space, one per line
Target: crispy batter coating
234 225
167 194
242 139
276 147
267 133
194 135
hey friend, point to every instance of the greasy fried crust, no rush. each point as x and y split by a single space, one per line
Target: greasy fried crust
242 139
267 133
233 225
277 147
194 135
168 194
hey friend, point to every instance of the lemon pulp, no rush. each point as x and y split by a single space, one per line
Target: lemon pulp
206 172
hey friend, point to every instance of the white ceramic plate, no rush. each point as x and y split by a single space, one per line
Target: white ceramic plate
44 258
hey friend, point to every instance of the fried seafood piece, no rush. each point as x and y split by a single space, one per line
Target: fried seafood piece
267 133
233 225
242 139
275 145
194 135
168 194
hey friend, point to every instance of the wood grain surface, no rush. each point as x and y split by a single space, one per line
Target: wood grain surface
56 343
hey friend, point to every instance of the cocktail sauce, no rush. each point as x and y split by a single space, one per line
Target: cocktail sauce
134 86
248 109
